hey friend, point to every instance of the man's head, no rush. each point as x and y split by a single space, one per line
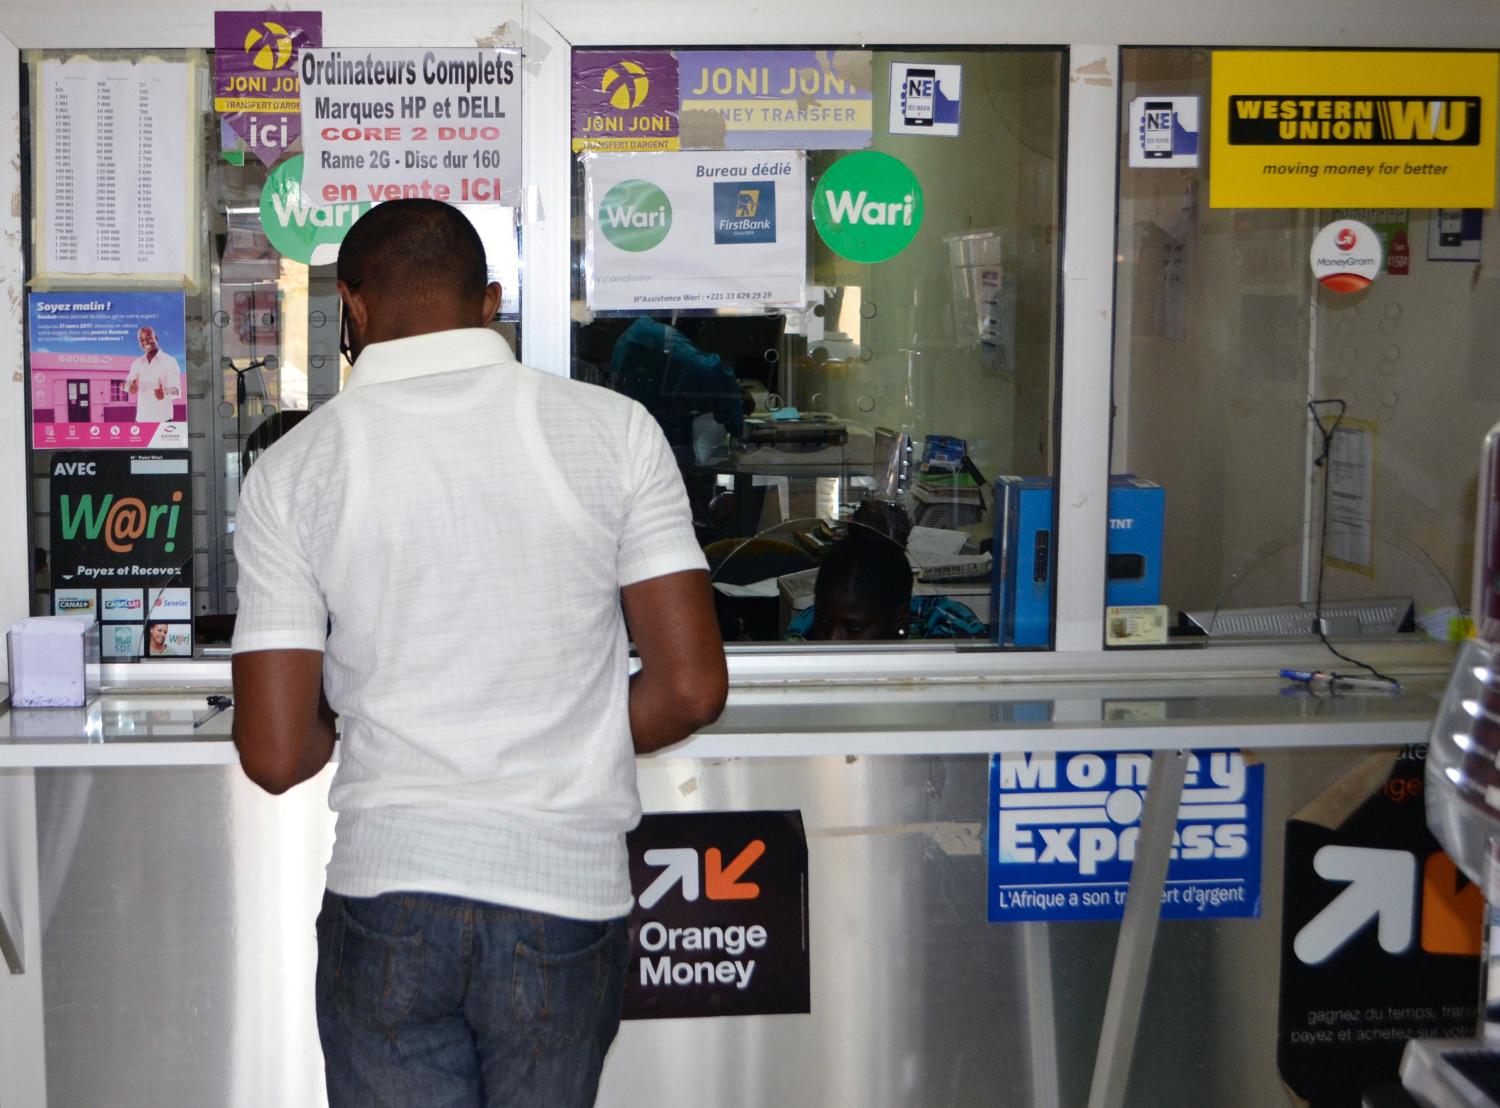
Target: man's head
863 590
411 267
146 336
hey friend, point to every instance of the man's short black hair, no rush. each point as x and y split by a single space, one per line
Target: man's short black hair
416 247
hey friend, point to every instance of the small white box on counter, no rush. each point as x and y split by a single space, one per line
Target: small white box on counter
54 662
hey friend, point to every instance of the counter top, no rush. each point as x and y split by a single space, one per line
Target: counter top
134 728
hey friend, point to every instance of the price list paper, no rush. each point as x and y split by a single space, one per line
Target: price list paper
116 187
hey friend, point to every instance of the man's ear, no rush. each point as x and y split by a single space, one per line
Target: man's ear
491 303
354 304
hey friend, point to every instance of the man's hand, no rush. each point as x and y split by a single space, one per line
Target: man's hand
683 681
161 391
283 726
132 387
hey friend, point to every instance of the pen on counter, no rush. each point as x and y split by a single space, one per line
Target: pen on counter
1333 680
216 704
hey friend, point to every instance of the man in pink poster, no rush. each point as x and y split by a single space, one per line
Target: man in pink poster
154 381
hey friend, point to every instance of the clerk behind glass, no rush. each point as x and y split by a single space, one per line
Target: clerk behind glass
155 381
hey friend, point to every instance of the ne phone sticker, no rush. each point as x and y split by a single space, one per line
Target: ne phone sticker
1163 132
1063 831
925 98
720 922
1346 256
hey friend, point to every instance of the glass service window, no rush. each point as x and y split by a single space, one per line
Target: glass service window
1224 340
261 331
888 403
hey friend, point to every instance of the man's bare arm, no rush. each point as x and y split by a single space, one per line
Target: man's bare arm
683 681
283 726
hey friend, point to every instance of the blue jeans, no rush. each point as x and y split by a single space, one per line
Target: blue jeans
429 1001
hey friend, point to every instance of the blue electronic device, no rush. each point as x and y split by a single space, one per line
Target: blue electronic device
1026 553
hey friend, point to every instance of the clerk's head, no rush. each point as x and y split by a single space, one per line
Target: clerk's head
863 591
147 338
411 267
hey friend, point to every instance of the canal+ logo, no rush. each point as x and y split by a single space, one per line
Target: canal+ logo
635 216
627 84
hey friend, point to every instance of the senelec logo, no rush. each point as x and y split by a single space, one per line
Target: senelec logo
1287 120
1079 812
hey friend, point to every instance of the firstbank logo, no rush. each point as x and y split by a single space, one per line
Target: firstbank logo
744 211
720 881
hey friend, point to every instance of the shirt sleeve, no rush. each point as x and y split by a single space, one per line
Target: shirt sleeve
657 537
281 605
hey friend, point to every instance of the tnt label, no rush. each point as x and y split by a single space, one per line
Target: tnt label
1064 829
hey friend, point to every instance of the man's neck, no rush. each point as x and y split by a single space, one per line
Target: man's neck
410 329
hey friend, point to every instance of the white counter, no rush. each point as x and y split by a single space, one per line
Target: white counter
135 728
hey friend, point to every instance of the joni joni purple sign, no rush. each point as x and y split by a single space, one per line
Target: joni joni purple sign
256 88
624 100
775 99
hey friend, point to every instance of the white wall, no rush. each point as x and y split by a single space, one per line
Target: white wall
1338 23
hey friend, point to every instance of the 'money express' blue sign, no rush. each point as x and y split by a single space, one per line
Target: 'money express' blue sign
1063 829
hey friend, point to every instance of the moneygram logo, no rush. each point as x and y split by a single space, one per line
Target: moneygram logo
1346 256
269 45
635 216
626 84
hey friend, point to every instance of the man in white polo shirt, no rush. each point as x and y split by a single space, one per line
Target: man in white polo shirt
154 380
446 556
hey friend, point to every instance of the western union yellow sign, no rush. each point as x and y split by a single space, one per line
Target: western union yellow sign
1323 129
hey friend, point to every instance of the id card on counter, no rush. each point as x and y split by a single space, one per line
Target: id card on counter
1135 625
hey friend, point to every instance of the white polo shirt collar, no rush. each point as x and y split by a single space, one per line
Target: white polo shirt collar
424 355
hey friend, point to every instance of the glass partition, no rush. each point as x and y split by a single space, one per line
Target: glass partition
889 399
261 342
1317 449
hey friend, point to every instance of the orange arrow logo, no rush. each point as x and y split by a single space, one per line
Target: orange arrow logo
1452 917
723 883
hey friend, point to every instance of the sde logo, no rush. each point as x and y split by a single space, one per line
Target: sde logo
635 216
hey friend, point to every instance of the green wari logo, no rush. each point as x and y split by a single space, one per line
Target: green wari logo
635 215
867 207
